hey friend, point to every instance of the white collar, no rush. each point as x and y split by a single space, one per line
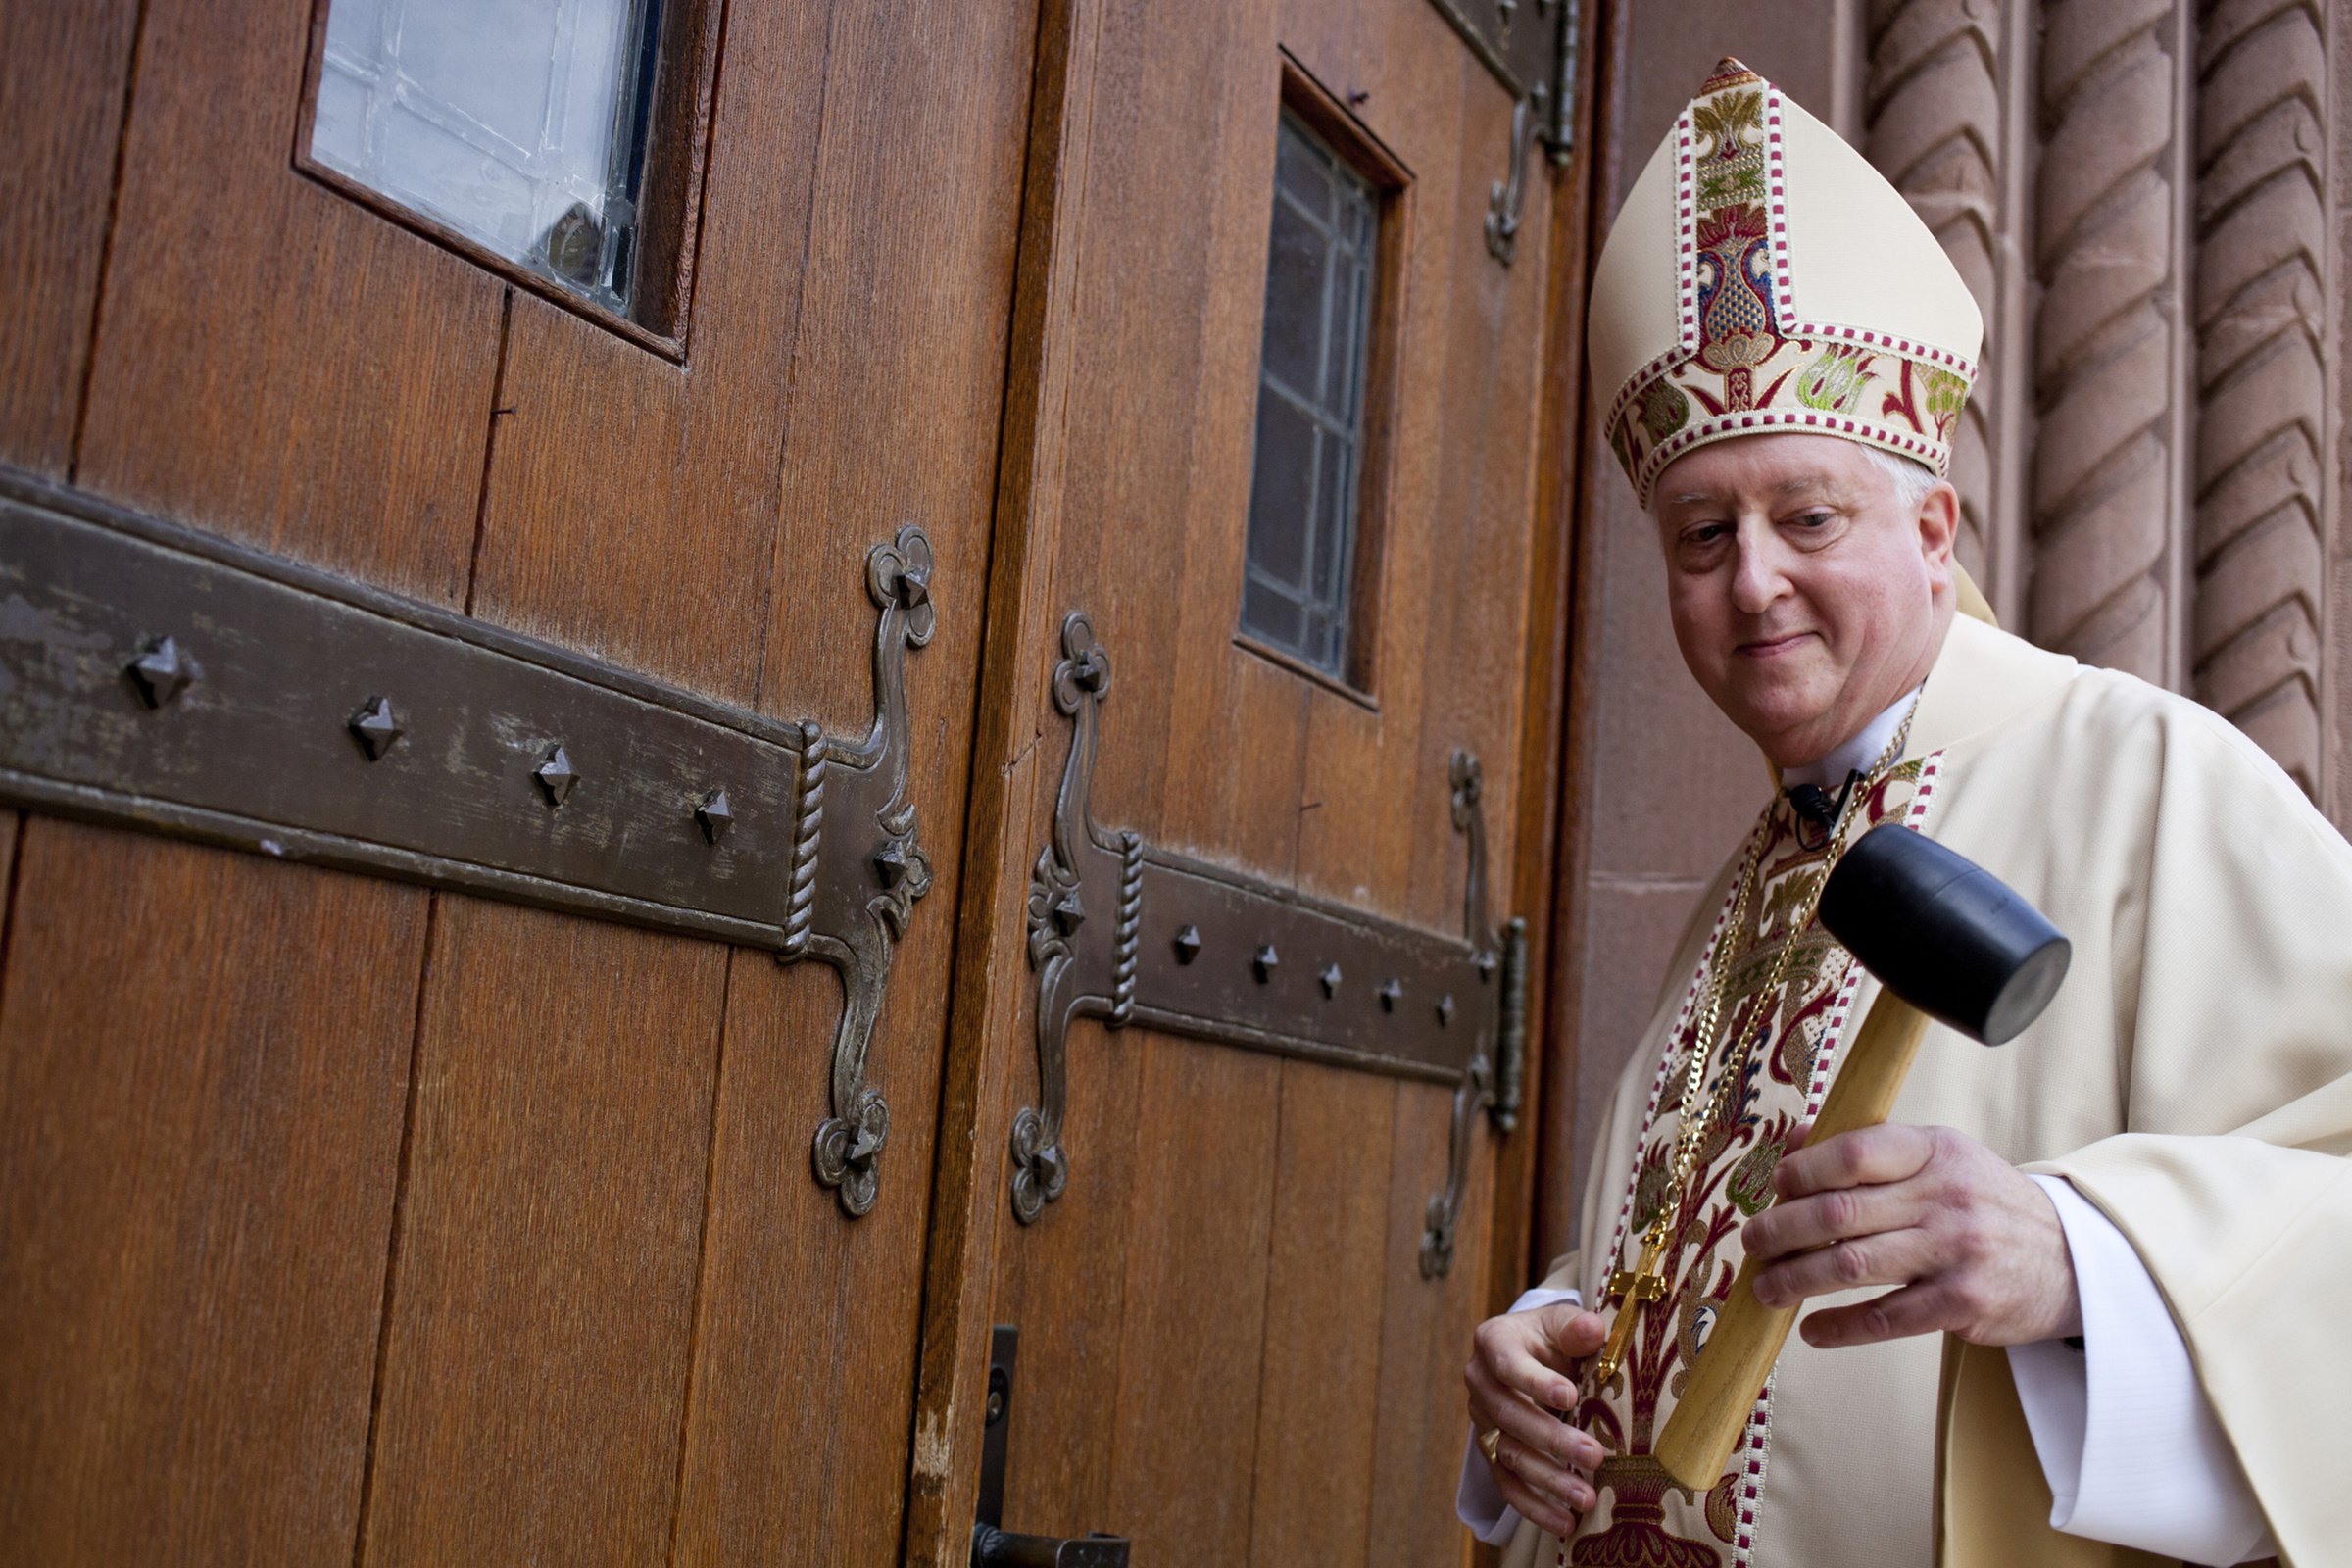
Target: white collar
1831 768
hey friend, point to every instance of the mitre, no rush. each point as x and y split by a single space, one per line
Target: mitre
1763 278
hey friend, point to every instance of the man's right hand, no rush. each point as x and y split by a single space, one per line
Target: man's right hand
1523 1366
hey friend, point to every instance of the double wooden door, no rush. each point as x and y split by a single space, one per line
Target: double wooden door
428 1206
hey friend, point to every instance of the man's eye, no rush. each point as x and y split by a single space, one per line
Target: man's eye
1813 520
1707 533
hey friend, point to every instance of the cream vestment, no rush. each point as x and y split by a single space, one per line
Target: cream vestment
2192 1080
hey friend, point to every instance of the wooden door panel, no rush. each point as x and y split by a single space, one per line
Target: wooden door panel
272 361
202 1060
62 78
1191 1335
1424 1341
1327 1278
621 1306
1285 1385
536 1360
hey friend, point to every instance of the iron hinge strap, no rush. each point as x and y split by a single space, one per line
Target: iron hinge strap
167 680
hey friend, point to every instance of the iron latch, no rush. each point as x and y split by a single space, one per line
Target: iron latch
992 1546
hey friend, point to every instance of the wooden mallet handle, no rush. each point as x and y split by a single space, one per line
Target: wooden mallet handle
1748 1335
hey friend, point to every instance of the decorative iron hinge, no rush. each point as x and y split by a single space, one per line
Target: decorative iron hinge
1202 950
163 679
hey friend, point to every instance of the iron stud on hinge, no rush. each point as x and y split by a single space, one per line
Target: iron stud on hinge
1391 994
556 776
1330 979
163 671
714 815
376 727
1188 944
1264 961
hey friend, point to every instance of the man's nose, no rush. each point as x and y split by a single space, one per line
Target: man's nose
1757 578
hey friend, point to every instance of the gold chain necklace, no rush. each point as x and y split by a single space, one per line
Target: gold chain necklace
1645 1282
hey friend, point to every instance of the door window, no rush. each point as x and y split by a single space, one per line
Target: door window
520 125
1321 276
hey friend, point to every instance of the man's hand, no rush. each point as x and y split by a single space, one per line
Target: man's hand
1976 1247
1523 1366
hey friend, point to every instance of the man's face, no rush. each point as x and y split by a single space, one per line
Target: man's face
1805 595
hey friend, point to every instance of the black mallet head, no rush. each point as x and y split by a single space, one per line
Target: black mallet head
1943 933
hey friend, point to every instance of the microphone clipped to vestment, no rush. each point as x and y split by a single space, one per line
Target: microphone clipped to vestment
1948 942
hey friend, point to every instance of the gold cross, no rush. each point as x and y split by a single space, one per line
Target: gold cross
1633 1289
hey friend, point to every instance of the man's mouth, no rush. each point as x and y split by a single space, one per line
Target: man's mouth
1773 647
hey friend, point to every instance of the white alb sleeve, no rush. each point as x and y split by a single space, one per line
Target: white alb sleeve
1476 1503
2127 1441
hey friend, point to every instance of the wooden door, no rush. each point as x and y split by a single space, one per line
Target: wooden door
1233 1344
412 1147
346 1219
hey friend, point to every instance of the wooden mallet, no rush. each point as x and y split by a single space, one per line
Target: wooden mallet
1947 942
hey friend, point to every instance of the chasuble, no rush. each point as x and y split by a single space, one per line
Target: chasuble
2192 1080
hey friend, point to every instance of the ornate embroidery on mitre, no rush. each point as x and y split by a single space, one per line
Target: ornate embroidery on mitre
1746 361
1645 1518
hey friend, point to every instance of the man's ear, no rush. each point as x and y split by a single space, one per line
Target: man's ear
1938 531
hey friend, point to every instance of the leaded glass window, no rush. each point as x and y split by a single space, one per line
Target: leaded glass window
519 125
1307 468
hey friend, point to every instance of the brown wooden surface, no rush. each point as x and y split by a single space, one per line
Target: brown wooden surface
617 1291
1227 1349
535 1363
63 70
274 363
1318 1396
202 1067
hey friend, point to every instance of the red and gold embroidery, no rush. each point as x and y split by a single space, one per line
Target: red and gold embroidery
1778 1042
1747 358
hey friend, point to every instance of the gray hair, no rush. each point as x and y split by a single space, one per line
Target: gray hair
1912 478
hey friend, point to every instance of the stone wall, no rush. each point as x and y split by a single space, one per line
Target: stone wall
2149 199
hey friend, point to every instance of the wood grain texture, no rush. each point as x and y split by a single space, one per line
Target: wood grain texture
64 72
273 362
1326 1275
1424 1342
806 1335
1551 752
987 1018
1231 1280
202 1060
535 1362
1184 1428
631 507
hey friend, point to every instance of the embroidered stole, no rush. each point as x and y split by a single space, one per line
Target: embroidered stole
1784 1048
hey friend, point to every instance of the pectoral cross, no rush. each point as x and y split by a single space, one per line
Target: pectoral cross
1632 1288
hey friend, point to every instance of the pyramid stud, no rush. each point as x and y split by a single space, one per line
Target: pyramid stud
1265 961
1330 978
1188 944
555 775
715 816
1488 962
1391 994
376 727
163 671
1068 913
1445 1009
890 863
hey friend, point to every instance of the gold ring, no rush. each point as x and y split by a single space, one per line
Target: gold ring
1489 1441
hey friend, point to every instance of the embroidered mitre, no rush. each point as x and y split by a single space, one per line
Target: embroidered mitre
1763 278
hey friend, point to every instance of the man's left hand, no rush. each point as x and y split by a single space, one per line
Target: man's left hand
1976 1248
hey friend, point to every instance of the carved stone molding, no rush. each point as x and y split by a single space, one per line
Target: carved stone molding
1934 129
2260 308
2103 489
1198 950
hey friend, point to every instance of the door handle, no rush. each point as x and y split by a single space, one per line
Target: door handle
992 1546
